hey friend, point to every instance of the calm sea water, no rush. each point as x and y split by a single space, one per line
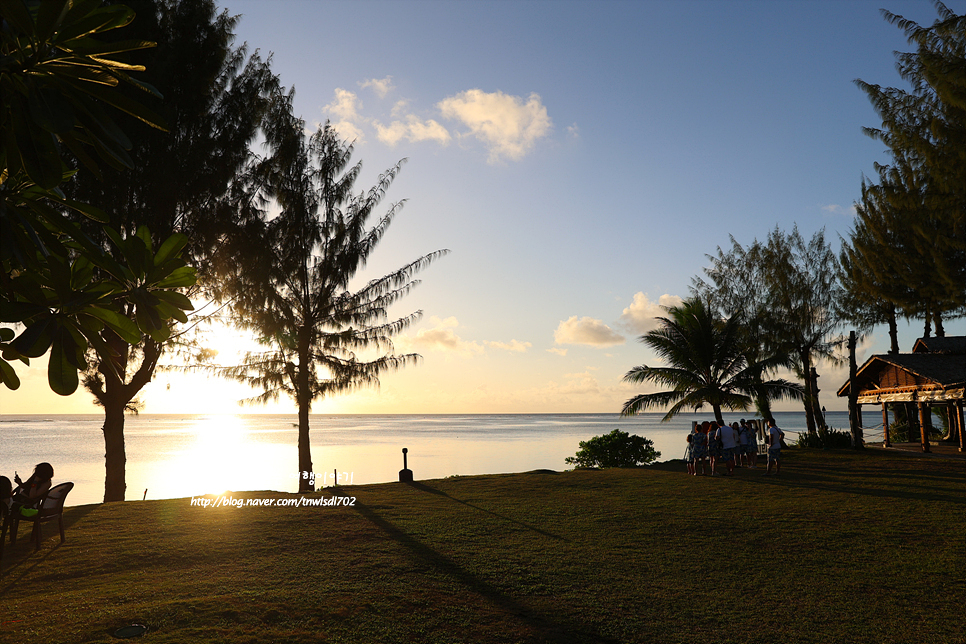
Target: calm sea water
173 456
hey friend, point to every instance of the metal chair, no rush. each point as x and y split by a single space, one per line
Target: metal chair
50 508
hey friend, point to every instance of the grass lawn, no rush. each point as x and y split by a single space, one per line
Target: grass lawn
842 547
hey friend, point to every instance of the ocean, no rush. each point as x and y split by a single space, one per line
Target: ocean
175 456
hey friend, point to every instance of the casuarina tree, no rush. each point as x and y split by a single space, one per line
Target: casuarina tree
323 332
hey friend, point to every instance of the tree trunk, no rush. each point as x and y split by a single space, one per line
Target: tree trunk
855 421
717 414
893 333
806 359
912 417
817 411
938 322
763 406
114 395
115 458
306 475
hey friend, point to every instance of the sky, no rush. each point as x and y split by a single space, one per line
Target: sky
580 160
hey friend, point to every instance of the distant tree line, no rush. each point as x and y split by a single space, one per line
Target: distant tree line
783 303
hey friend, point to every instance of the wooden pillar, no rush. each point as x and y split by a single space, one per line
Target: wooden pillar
962 426
952 422
885 426
924 426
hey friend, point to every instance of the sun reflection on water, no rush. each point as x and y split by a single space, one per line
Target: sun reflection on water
218 455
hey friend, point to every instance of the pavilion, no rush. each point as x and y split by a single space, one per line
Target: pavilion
933 375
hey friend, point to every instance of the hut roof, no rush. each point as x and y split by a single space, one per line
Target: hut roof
946 370
952 345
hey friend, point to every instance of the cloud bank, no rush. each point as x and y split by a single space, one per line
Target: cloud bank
508 126
442 338
586 331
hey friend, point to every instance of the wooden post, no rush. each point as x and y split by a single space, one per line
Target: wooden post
962 427
924 426
951 421
885 426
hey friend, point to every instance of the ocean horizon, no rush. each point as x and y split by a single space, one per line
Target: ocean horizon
184 455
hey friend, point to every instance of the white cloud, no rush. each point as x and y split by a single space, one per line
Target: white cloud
573 131
639 317
381 86
514 346
559 352
413 130
440 339
507 125
836 209
586 331
344 114
399 108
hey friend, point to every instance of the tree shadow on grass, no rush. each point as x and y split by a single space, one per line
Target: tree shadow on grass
544 629
834 478
426 488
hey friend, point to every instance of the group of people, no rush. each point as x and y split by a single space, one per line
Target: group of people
27 495
711 442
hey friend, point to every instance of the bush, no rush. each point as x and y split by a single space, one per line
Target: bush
825 439
616 449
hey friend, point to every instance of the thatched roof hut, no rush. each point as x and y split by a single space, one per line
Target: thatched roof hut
934 374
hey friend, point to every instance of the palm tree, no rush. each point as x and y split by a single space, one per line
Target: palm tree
294 290
706 364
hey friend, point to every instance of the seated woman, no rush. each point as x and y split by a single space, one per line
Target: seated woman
29 492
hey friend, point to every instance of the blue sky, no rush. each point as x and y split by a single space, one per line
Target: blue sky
580 160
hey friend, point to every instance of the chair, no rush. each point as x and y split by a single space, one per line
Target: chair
50 508
5 521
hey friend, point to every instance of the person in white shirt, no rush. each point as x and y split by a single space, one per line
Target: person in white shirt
729 441
775 436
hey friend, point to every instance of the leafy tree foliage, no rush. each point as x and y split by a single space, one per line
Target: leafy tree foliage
296 290
869 289
803 290
788 288
705 362
739 290
57 76
911 227
189 181
616 449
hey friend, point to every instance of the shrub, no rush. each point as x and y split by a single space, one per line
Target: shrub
616 449
825 439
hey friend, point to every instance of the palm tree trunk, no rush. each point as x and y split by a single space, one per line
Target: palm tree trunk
717 414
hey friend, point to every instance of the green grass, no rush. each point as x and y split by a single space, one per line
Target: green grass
842 547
